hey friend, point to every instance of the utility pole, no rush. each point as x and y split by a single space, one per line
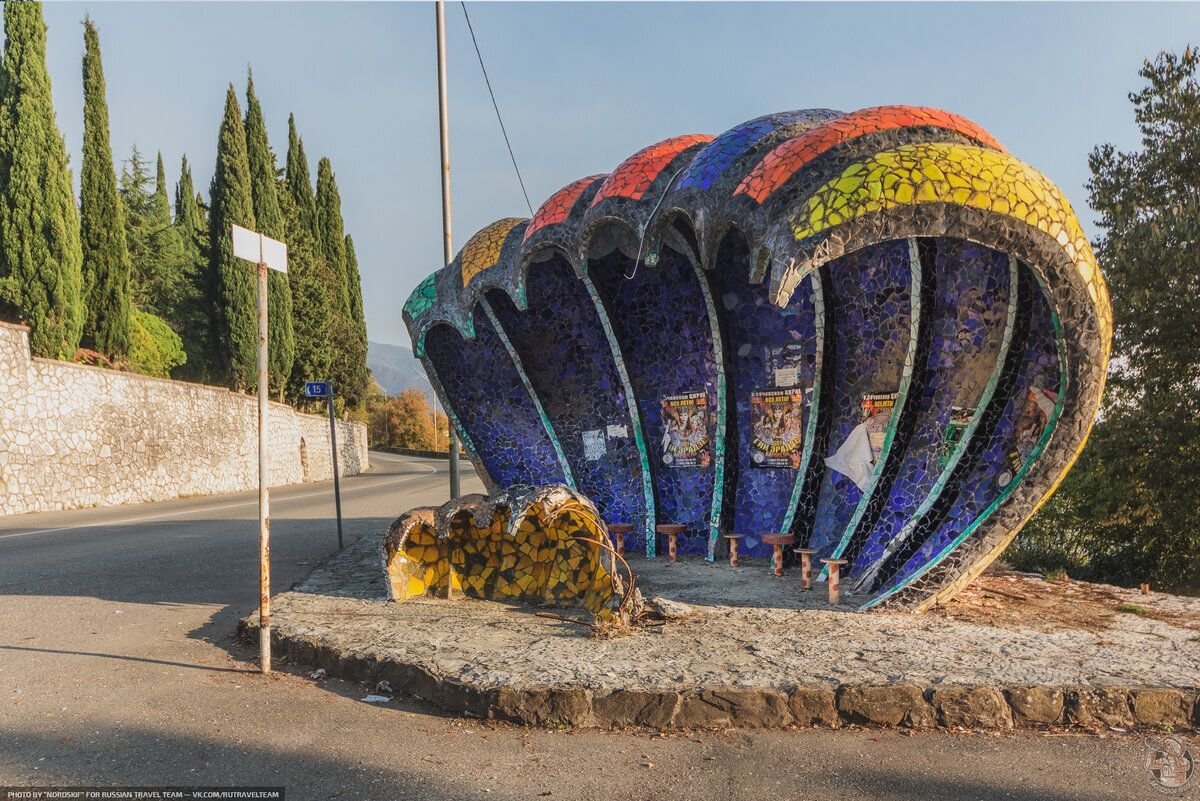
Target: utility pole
447 241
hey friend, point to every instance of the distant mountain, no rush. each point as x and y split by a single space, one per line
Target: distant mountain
396 369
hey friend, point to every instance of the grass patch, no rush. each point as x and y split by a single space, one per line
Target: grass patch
1057 576
1134 609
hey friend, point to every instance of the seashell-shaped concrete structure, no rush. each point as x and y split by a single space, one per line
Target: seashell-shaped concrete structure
877 331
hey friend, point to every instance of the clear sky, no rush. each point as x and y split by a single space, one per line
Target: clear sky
582 86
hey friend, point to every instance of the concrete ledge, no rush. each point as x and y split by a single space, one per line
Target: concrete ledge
896 705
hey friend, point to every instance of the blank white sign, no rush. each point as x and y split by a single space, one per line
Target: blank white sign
274 254
255 247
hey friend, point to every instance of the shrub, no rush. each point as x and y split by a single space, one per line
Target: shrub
155 348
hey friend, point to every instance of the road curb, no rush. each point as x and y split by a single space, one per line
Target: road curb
903 705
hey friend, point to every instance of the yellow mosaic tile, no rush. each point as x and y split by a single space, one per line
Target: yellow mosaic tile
963 175
483 249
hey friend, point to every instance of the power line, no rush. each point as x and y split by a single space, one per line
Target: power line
496 106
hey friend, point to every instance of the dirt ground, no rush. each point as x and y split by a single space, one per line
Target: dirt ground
1027 600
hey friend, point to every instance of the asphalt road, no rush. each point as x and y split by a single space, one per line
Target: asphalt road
118 665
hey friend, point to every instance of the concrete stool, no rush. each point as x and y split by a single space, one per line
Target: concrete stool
672 530
806 555
777 541
835 580
619 530
734 539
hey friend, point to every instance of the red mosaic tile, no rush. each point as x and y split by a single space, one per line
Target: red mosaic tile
558 207
635 175
788 157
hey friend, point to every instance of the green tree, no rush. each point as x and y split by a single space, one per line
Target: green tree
311 278
189 216
106 265
167 253
137 201
41 278
358 376
331 230
349 367
1130 510
299 181
160 204
269 216
192 317
232 282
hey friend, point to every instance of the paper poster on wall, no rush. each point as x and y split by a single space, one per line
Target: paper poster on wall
777 427
594 445
876 414
1035 416
786 364
685 440
960 418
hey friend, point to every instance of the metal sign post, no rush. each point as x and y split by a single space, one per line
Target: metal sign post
324 389
272 254
264 491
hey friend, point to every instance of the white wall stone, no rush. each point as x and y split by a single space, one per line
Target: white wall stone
73 436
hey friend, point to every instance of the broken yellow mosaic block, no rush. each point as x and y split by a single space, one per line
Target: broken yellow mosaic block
551 556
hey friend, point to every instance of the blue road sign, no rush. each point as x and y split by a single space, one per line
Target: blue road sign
316 389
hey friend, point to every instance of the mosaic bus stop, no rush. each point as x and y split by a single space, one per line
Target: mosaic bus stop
874 339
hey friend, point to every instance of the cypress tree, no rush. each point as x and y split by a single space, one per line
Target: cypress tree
189 218
358 377
311 278
299 181
265 194
350 353
160 205
167 254
331 231
232 282
106 265
40 254
193 318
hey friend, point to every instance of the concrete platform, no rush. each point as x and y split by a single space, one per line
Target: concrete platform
1014 650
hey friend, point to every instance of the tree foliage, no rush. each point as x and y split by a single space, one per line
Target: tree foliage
41 279
331 231
269 217
155 348
232 283
193 316
407 421
299 180
106 266
1130 510
138 210
349 368
313 280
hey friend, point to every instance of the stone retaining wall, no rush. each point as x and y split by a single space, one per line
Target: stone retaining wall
74 436
902 705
